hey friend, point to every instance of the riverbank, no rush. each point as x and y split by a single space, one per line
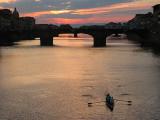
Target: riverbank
150 41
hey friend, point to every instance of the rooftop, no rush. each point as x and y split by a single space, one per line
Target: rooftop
158 5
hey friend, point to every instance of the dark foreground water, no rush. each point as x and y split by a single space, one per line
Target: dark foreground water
56 83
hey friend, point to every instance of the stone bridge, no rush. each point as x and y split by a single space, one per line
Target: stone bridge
99 34
47 34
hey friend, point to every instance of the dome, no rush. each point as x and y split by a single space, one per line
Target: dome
15 13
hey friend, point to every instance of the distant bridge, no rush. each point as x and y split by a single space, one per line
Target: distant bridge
48 33
99 34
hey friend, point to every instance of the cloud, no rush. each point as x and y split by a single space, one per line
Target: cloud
7 1
26 6
93 20
114 7
55 12
73 11
98 10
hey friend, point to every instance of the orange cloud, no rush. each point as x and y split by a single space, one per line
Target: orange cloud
7 1
55 12
36 14
87 20
60 11
115 7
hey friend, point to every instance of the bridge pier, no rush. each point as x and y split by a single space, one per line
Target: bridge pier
116 35
99 40
75 35
46 39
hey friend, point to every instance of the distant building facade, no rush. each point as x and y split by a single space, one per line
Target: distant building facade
146 20
6 13
12 20
142 21
156 9
113 25
5 18
26 22
156 12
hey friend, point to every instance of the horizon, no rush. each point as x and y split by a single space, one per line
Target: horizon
76 12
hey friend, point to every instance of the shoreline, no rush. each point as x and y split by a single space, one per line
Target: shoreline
150 41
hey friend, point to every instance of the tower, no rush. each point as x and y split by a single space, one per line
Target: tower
15 13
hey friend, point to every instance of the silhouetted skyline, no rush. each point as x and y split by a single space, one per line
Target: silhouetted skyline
80 11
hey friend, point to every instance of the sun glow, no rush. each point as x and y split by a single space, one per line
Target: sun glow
60 11
86 20
7 1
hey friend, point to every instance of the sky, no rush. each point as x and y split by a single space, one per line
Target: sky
80 11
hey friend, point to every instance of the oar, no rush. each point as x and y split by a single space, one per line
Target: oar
123 100
129 104
95 102
89 104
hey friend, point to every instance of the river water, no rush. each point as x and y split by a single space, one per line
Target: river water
57 83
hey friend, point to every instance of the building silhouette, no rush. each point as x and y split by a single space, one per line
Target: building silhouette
12 21
15 13
147 20
156 12
156 9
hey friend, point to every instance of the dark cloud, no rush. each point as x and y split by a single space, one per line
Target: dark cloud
42 5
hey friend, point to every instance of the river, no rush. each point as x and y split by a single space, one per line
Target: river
57 83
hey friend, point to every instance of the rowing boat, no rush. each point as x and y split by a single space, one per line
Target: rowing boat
110 102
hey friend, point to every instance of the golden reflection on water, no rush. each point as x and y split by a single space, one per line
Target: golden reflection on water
50 83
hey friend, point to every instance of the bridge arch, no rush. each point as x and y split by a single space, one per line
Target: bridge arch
99 35
66 35
84 35
69 40
99 38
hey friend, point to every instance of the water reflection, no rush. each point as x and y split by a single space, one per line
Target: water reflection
50 83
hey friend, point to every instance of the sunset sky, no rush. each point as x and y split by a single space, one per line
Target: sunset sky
80 11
